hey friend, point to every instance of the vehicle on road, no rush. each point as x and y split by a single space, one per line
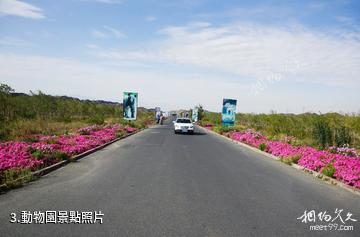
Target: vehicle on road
183 125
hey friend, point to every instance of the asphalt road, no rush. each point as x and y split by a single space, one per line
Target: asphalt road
156 183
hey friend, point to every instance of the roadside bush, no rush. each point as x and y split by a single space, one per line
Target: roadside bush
311 129
16 177
65 119
98 119
60 155
286 161
294 159
135 124
217 129
262 146
37 154
329 170
201 112
3 130
120 134
322 133
291 159
225 129
342 136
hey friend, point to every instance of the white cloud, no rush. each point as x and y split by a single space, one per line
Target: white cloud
99 34
104 1
214 62
59 76
254 51
92 46
150 18
116 33
348 21
109 1
10 41
107 32
19 8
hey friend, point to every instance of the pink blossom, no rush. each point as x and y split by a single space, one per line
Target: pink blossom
18 154
347 168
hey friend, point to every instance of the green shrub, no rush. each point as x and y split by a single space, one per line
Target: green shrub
294 159
322 133
333 150
30 139
61 155
120 134
132 123
297 142
217 129
98 119
224 129
201 112
329 170
311 129
291 159
51 141
16 177
286 161
65 119
139 124
37 154
262 146
342 136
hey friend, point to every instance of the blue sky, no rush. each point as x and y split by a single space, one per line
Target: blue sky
287 56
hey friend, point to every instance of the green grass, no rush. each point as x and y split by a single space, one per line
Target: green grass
16 177
24 115
318 130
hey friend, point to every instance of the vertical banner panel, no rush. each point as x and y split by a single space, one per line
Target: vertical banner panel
228 112
130 103
194 115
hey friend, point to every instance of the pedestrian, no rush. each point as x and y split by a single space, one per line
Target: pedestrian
157 117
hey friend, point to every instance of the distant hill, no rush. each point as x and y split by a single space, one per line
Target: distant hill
103 102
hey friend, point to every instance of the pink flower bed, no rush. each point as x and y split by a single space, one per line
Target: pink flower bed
20 154
347 168
16 154
130 129
208 126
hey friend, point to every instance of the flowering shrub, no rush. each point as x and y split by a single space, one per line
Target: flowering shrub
47 150
130 129
342 163
344 150
16 154
208 126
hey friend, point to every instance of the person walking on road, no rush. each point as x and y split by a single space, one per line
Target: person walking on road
161 119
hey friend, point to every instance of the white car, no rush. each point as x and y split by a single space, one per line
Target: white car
183 125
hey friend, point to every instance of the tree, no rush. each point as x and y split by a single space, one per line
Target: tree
322 133
342 136
201 112
5 89
5 93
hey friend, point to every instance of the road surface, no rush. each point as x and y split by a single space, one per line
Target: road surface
156 183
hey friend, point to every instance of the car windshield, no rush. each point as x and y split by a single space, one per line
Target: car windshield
183 121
